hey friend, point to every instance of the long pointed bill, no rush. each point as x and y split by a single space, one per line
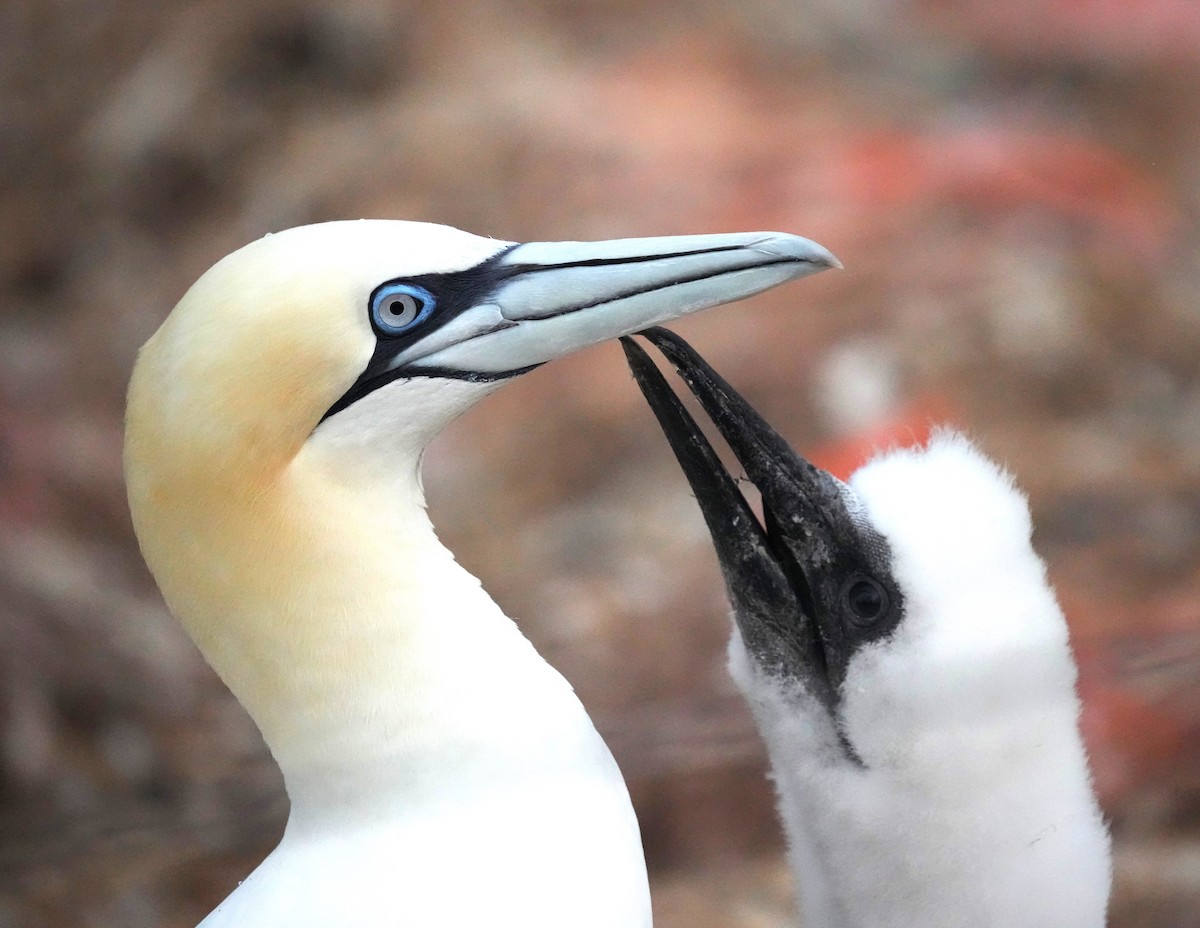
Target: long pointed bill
768 593
808 504
815 534
538 301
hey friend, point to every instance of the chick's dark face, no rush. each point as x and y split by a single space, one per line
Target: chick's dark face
811 583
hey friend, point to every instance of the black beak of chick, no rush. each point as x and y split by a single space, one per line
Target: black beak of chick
787 576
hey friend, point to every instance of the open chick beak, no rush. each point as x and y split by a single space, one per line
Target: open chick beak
769 568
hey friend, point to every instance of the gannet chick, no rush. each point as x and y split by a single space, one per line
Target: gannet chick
440 772
908 667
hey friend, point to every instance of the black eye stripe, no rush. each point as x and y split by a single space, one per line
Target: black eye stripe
454 293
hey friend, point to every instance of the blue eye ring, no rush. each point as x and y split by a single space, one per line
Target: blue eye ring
397 308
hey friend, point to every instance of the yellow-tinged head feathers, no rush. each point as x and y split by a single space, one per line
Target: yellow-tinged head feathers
276 420
242 536
258 349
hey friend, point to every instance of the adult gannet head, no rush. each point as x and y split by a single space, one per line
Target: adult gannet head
908 666
333 353
274 432
320 321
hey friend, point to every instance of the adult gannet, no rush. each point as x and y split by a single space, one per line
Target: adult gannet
440 772
908 667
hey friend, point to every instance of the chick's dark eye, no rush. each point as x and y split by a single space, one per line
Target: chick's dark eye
396 307
867 600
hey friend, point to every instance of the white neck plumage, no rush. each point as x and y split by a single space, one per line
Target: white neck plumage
980 821
416 728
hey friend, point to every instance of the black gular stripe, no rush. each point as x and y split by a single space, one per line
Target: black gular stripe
458 291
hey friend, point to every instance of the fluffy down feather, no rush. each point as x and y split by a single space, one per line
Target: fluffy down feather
973 805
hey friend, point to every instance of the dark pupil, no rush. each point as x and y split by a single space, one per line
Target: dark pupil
397 307
866 599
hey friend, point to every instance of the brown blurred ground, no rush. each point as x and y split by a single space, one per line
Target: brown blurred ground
1013 188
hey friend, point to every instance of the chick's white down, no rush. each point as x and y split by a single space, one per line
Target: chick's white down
973 803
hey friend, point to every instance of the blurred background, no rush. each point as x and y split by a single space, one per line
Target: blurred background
1013 188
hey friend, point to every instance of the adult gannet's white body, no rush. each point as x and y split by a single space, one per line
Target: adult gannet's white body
440 772
909 669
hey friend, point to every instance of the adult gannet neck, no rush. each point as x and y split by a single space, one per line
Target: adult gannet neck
908 667
440 772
